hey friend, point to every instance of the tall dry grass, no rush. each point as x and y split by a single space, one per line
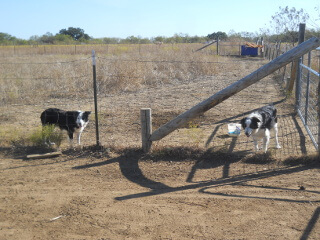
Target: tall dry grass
33 77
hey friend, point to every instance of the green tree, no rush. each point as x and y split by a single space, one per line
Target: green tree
131 40
158 39
216 35
7 38
47 38
62 38
75 33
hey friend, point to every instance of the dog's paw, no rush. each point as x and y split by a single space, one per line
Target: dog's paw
278 147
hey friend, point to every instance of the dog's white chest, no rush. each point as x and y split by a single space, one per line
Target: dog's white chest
260 133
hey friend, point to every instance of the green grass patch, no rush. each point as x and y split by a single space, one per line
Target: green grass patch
44 135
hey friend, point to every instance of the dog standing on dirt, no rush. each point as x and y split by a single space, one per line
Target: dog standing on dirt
71 121
258 125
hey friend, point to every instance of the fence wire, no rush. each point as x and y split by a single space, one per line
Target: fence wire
168 85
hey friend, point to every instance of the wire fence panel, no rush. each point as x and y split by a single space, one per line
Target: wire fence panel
170 82
307 104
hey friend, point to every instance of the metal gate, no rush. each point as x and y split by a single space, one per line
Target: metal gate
307 96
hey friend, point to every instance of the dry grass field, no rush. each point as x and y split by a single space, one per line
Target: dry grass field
196 183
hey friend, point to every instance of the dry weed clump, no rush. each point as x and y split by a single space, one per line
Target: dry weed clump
32 78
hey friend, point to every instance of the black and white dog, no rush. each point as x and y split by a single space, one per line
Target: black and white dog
71 121
258 125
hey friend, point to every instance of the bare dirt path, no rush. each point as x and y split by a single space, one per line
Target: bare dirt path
130 197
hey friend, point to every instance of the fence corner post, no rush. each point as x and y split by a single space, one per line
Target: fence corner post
146 128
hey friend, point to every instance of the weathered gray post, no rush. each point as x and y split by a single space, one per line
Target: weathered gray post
294 68
262 48
278 49
217 46
318 120
146 128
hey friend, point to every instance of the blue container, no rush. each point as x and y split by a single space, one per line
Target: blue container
248 51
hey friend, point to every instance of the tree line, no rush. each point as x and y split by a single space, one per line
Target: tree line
78 36
283 27
63 39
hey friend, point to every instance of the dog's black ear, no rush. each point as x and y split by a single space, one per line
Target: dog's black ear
85 115
243 123
254 122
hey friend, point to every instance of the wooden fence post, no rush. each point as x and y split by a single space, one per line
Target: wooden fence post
262 48
217 46
294 67
95 97
234 88
318 102
146 128
278 48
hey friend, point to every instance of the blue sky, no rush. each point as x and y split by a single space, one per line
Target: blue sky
144 18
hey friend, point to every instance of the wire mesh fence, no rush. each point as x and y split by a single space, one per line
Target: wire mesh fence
33 83
308 96
169 84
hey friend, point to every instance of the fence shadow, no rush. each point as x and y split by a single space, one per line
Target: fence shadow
301 136
129 167
242 196
315 217
239 179
217 158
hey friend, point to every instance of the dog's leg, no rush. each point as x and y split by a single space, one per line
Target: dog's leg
70 134
266 140
255 142
46 139
79 135
47 142
276 136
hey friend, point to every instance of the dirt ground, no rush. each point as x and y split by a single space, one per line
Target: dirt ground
198 183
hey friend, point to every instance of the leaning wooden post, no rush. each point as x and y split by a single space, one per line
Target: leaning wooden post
146 128
236 87
294 67
205 46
